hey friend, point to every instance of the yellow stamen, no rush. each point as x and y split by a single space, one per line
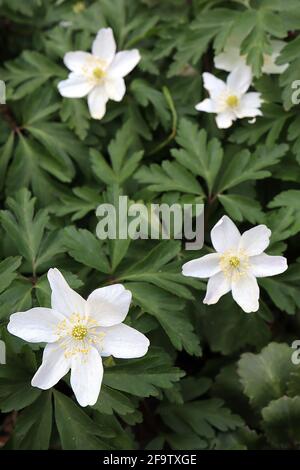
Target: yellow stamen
232 101
79 332
234 265
234 261
98 73
79 7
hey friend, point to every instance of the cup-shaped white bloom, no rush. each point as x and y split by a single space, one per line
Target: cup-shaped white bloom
99 75
238 261
78 333
230 100
231 58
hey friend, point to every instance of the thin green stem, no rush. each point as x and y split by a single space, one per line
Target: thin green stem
170 102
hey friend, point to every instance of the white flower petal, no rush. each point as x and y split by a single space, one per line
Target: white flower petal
206 266
109 305
225 235
245 292
217 286
53 368
239 80
97 100
123 342
123 63
229 59
255 240
115 88
250 113
270 66
264 265
207 105
86 377
64 299
225 119
249 105
76 86
213 85
277 45
76 60
37 325
104 46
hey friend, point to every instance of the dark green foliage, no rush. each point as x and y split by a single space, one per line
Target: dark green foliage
214 377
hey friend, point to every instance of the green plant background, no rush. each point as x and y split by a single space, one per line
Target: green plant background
214 377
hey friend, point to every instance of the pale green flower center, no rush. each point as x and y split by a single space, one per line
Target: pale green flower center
234 264
268 60
232 101
98 73
79 7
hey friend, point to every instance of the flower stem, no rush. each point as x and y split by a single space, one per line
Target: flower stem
171 105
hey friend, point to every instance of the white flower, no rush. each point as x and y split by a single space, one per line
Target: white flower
230 100
99 75
232 58
238 261
78 333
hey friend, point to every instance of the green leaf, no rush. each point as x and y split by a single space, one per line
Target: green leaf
118 247
242 439
124 161
198 155
23 227
143 377
16 391
6 155
283 289
202 417
238 329
16 298
75 113
153 268
288 198
101 168
145 94
290 52
243 166
270 127
170 176
168 310
38 107
26 10
111 401
282 422
264 376
30 167
242 208
283 223
34 425
47 134
28 72
85 248
76 429
83 201
8 273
